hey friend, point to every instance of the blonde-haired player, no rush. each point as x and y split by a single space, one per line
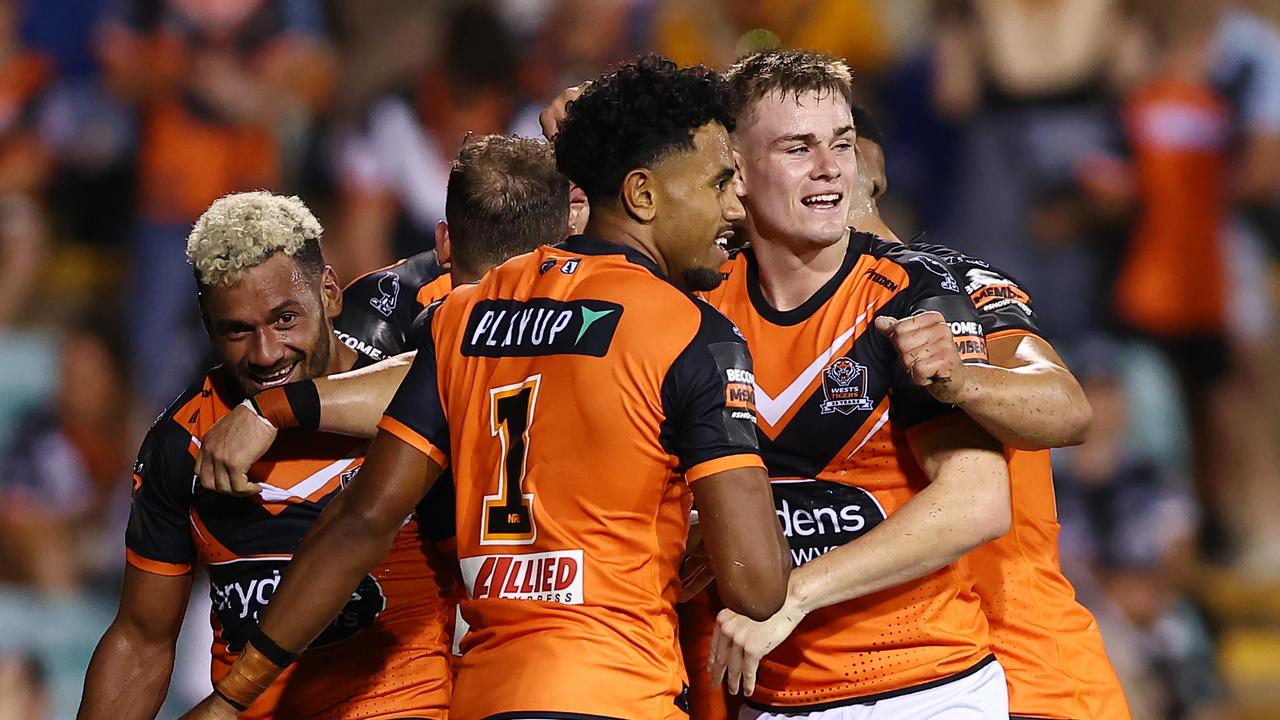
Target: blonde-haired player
268 301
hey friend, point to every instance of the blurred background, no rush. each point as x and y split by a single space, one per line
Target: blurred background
1120 157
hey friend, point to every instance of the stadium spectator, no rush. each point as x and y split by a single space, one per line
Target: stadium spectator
64 470
222 89
392 172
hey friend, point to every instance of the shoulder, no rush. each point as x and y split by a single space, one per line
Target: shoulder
168 441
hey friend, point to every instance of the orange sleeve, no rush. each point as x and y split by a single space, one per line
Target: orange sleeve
156 567
720 464
1009 332
408 435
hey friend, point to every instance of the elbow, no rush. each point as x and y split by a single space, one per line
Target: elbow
994 516
759 604
994 524
756 595
1078 420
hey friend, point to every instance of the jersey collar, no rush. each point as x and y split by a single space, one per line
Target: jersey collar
859 243
588 245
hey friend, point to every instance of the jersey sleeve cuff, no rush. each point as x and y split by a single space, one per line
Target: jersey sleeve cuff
412 437
1010 332
721 464
156 567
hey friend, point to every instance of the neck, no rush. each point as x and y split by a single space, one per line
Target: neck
341 357
618 228
791 272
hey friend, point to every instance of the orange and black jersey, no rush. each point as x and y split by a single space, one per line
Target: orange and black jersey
379 309
382 312
836 408
1047 642
384 656
569 391
1004 307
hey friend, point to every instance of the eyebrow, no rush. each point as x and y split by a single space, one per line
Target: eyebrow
241 324
810 138
725 174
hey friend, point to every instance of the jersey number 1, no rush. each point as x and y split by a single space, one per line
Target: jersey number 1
508 515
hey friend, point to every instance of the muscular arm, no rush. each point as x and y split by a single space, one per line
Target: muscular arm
1027 398
130 670
352 535
965 505
350 403
744 542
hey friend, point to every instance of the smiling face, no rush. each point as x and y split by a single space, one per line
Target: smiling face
695 192
275 324
798 166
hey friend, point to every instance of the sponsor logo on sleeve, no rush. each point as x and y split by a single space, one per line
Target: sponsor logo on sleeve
740 393
991 292
360 346
554 577
970 340
844 385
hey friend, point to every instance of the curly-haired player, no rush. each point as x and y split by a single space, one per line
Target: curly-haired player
578 393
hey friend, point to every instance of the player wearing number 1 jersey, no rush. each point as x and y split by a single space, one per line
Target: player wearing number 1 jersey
574 432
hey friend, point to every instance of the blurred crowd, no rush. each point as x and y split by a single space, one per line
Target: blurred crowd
1120 157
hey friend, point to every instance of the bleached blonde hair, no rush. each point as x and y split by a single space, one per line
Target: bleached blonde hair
242 230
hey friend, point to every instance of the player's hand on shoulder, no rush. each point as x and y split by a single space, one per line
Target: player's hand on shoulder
552 114
213 708
927 349
740 643
229 448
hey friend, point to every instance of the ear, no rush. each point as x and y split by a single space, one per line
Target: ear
639 196
330 292
579 210
444 245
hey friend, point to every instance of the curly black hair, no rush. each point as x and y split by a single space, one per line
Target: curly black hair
629 118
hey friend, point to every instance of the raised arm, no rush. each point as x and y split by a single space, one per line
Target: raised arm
349 403
1026 398
129 673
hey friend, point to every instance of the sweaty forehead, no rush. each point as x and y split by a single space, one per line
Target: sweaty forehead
262 289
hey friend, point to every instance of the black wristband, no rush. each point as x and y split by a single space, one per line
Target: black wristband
239 708
270 650
304 400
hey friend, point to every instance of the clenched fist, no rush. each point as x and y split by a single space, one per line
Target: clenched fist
928 351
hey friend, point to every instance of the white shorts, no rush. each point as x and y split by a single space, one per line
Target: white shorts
980 696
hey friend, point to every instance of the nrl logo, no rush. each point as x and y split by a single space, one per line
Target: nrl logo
844 384
388 293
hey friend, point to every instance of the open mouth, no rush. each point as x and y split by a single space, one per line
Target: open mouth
722 240
262 382
823 201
